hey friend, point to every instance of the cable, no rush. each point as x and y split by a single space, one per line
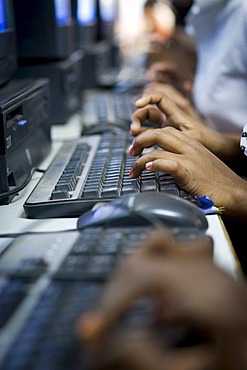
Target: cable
18 188
22 186
152 220
40 170
16 235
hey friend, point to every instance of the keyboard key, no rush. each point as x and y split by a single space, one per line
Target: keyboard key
59 194
171 189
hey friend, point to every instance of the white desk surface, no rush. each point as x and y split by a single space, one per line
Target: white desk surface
13 219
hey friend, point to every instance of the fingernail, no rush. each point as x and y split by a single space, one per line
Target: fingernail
89 327
149 165
131 149
139 100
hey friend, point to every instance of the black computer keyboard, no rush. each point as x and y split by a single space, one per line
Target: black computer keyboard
108 108
89 170
48 280
123 77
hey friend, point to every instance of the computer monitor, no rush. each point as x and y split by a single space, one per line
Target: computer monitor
84 13
8 57
3 25
45 29
107 17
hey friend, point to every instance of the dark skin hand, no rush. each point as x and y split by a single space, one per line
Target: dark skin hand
194 168
169 73
179 99
171 109
189 290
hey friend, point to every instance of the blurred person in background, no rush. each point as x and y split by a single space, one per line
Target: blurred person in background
219 86
173 61
160 20
181 9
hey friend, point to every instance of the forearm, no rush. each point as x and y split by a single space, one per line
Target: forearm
227 148
237 161
237 201
232 346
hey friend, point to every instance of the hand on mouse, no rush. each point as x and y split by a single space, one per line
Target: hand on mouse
194 168
188 289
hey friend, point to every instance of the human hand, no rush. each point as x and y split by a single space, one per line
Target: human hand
157 104
189 290
176 96
194 167
163 104
158 107
169 73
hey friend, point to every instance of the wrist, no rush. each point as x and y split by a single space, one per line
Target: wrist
237 205
232 346
231 332
229 149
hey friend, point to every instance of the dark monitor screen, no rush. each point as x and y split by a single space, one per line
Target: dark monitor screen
107 10
3 23
45 30
86 12
8 52
63 12
107 17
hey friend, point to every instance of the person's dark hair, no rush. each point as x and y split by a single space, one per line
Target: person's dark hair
150 3
181 9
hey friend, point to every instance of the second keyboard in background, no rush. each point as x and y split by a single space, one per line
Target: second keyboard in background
104 109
